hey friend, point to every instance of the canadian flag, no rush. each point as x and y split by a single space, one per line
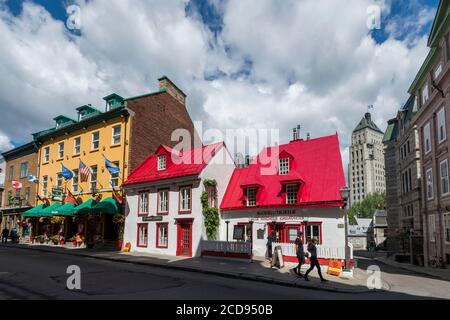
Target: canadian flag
16 185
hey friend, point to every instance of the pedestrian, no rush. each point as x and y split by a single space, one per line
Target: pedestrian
300 253
314 261
270 240
5 233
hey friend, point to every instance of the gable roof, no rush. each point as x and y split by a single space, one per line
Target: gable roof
318 168
186 163
366 122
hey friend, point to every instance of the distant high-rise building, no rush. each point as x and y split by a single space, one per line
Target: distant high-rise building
366 165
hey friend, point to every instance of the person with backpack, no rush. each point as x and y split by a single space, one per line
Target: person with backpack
314 262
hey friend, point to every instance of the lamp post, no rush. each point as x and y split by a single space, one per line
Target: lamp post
227 222
345 193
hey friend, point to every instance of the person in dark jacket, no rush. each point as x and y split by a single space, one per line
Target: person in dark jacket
270 240
314 261
300 252
5 233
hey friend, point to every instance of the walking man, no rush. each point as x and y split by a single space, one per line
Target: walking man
5 234
300 252
314 261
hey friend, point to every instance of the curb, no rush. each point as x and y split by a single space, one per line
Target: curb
243 276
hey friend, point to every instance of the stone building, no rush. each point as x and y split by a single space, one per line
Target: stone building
366 165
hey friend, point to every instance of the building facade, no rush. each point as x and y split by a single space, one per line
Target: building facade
20 163
302 194
164 212
366 165
2 179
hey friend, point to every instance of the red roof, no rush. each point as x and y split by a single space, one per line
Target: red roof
315 165
178 164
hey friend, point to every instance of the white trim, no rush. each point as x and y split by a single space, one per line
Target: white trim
95 141
427 131
75 153
440 176
440 119
426 183
114 135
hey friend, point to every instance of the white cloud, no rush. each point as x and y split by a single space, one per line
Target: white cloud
5 143
312 62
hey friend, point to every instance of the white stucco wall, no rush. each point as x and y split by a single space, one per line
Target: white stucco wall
221 171
330 217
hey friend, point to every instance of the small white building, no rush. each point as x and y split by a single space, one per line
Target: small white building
164 213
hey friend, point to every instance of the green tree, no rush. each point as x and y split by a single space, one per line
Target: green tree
366 208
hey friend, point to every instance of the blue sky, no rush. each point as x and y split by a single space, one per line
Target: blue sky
242 65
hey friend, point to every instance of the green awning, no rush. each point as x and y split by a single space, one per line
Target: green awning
51 209
36 212
85 207
66 210
107 206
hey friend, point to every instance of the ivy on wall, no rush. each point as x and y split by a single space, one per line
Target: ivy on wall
211 215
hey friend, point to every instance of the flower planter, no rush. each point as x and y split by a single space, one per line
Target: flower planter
62 242
74 243
119 244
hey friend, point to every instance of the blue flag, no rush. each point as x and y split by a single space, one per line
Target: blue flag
33 179
112 168
66 173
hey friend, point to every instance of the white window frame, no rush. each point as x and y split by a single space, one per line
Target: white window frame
309 229
142 236
163 237
59 181
447 227
77 146
27 194
429 183
95 141
114 177
185 198
284 166
444 177
425 94
432 227
61 150
437 71
23 166
44 185
46 154
291 196
116 137
162 163
441 125
92 181
163 201
143 203
75 181
251 196
427 137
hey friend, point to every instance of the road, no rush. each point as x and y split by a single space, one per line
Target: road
28 274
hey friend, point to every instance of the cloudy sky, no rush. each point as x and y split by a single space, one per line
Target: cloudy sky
243 64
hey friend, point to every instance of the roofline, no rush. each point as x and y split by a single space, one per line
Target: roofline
329 203
12 152
146 95
166 78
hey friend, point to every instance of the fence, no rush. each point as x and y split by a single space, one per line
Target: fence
227 249
323 252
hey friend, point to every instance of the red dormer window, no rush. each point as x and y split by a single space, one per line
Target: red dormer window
162 162
250 194
283 165
291 193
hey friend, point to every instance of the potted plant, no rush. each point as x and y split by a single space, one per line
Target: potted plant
119 221
55 240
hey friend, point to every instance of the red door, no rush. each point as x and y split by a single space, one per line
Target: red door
184 239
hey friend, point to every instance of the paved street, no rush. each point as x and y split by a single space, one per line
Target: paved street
28 274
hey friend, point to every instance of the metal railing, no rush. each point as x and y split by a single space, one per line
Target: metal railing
323 251
226 247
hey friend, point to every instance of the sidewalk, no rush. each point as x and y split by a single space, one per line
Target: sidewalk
443 274
258 270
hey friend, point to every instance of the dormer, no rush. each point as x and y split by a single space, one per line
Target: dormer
164 157
113 101
251 194
63 121
285 163
87 111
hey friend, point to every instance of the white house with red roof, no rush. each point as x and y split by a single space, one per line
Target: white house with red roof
164 213
289 188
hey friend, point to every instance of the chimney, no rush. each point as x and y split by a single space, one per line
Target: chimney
166 84
308 136
294 134
247 160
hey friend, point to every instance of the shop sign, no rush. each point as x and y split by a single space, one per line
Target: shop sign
57 194
277 215
152 218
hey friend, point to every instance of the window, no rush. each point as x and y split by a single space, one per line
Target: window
185 199
437 71
442 132
142 236
291 194
82 114
11 173
444 177
27 194
23 170
93 184
163 201
313 231
161 162
59 181
284 166
447 228
95 140
162 239
61 150
115 176
109 105
292 234
429 181
425 94
116 135
212 196
143 203
75 181
47 154
427 138
77 146
432 227
251 197
44 185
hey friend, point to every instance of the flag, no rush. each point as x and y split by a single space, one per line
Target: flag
66 173
112 168
33 179
16 185
85 171
116 196
70 198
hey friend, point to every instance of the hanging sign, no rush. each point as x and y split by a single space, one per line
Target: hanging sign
152 218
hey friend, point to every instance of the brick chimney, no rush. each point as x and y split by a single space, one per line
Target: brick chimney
172 89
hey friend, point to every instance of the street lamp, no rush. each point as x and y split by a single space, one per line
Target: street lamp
345 194
227 222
